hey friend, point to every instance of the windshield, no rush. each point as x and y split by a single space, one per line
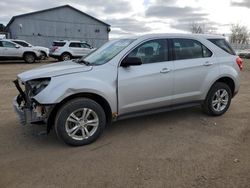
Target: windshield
107 52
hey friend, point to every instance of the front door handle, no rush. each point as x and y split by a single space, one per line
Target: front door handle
207 63
165 70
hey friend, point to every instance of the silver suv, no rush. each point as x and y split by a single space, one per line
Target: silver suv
43 50
65 50
126 78
10 50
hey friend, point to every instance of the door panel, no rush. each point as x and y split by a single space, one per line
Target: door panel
85 49
10 50
75 47
191 66
145 87
149 85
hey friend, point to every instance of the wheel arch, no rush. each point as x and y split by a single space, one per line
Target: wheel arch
42 51
29 52
224 79
229 81
66 52
97 98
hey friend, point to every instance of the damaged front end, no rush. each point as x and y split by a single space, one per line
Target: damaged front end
27 108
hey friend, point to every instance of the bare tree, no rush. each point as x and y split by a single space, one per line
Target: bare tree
239 34
197 28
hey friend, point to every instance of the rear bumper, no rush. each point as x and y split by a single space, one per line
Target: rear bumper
56 56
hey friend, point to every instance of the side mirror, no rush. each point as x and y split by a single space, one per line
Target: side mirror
29 45
17 46
131 61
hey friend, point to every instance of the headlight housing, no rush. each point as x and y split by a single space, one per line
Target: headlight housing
35 86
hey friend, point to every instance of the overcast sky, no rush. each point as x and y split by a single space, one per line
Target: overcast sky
128 17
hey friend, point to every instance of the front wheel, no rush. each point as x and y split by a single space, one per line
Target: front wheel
29 58
218 99
43 56
80 121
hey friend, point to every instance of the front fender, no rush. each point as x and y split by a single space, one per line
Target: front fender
62 87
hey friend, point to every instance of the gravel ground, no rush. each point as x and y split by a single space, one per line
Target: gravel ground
183 148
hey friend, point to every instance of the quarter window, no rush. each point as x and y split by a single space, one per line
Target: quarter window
223 44
152 51
189 49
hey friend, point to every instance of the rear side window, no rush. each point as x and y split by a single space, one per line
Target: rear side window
189 49
1 45
8 44
59 44
223 44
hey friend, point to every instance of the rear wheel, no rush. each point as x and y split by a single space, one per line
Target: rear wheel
29 57
65 57
80 121
218 99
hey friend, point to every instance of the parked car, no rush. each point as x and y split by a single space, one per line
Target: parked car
66 50
10 51
126 78
43 50
243 53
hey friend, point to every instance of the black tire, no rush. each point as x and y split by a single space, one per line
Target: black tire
43 56
208 106
72 106
29 57
65 56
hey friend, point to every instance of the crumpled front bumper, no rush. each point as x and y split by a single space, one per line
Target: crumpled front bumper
27 110
27 115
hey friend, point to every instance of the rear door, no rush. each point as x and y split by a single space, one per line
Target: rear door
149 85
192 63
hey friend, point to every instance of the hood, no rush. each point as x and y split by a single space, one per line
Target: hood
55 69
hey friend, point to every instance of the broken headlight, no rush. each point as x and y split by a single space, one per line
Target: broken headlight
36 86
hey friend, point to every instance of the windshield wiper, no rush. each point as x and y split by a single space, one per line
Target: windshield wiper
82 61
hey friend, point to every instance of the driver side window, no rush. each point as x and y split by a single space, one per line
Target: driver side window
8 44
151 51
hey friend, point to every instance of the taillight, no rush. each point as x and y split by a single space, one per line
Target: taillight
239 62
54 48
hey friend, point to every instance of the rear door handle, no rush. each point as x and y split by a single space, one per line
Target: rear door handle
207 63
165 70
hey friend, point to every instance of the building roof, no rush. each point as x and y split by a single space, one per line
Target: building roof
54 8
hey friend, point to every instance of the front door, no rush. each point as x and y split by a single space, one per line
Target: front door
149 85
10 50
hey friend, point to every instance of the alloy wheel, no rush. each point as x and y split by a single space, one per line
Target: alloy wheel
82 124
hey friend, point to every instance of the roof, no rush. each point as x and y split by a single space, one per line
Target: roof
55 8
206 36
69 41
